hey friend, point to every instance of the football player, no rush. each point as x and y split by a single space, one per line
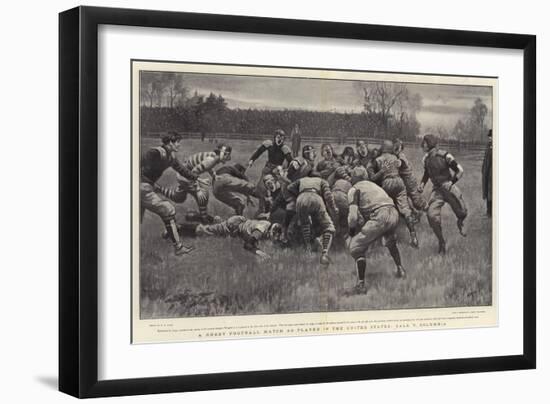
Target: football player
233 188
277 153
384 170
197 164
411 184
153 164
444 171
302 166
313 197
249 230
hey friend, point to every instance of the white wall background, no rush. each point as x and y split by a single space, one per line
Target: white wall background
28 229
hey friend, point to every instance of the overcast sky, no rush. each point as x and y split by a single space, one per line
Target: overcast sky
442 104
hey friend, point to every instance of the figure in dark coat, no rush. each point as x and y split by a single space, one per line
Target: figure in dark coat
487 175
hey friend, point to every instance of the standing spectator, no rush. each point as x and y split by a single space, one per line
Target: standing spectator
487 175
295 140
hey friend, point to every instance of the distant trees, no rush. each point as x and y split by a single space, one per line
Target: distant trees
389 110
392 108
473 126
157 87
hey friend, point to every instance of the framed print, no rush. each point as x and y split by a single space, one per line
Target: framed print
277 202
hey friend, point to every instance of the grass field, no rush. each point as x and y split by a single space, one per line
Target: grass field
221 278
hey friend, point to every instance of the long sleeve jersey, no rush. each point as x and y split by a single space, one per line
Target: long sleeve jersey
156 161
202 162
276 155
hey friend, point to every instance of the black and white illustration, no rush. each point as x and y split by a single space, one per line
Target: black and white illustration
306 191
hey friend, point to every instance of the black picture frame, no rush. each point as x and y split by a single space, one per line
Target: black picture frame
78 195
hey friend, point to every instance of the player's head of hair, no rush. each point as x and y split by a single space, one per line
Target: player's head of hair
490 133
430 141
387 146
171 136
327 150
359 174
348 151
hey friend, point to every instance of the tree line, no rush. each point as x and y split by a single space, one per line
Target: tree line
389 111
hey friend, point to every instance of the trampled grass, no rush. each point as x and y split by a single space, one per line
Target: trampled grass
221 278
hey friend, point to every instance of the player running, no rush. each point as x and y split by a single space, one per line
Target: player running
444 171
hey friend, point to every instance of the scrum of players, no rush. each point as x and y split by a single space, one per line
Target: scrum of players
349 201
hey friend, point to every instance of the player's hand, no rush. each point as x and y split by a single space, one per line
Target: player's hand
250 163
262 255
421 188
202 198
352 221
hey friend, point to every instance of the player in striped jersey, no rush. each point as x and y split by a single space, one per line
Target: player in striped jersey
197 164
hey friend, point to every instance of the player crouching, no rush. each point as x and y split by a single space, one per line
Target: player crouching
372 214
249 230
313 197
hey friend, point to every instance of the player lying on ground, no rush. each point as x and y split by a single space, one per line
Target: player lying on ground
444 171
153 164
372 214
249 230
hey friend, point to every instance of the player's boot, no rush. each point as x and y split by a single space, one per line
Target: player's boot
360 288
173 234
360 267
414 240
461 227
180 249
326 242
400 273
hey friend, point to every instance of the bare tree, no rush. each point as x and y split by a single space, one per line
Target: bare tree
173 86
147 94
380 98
